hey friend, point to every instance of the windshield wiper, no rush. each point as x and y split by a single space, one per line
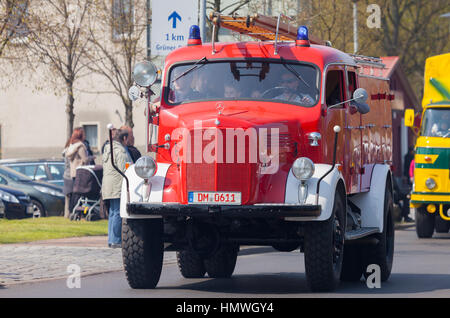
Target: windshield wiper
195 66
293 71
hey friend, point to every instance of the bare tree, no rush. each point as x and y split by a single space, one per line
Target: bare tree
116 31
413 30
10 19
216 6
56 39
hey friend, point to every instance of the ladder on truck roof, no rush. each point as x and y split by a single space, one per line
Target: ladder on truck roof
267 28
261 27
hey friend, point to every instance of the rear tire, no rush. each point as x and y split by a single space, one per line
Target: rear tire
142 251
424 223
382 254
222 263
190 264
324 249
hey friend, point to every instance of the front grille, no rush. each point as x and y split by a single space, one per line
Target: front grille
220 175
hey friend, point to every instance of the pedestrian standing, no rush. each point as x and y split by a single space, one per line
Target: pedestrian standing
132 150
411 171
68 183
112 185
77 156
406 164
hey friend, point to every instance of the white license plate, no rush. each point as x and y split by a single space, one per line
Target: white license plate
214 197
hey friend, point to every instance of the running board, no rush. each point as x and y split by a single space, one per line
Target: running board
360 233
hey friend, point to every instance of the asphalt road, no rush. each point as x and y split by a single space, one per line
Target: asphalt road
421 269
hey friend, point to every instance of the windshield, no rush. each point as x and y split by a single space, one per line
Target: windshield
436 123
244 80
11 173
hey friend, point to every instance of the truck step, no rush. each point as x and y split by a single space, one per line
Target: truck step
361 232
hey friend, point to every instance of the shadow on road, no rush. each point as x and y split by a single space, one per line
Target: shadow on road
292 284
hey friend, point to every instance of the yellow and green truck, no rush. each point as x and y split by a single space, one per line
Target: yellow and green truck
430 195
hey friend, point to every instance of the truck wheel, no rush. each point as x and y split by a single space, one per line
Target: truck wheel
142 251
424 223
324 249
441 225
352 266
382 254
190 264
223 262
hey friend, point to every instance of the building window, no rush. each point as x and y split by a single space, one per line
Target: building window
122 18
17 27
91 132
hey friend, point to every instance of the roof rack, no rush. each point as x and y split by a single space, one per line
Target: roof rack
261 27
368 60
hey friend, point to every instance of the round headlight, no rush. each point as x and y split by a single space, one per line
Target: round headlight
145 167
145 73
303 168
430 183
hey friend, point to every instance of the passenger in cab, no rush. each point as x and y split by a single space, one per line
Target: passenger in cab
231 91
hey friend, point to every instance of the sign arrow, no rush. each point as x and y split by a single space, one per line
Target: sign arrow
174 16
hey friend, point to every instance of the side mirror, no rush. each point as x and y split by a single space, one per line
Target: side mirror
360 95
362 108
359 101
409 117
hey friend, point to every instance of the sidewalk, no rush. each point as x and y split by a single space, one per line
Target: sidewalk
43 260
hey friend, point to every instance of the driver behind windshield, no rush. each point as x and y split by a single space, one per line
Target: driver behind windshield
291 85
182 90
442 127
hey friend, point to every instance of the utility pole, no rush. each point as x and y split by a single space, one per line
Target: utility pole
355 27
202 21
148 29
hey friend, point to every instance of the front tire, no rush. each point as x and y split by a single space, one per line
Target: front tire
142 251
324 249
352 266
424 223
38 209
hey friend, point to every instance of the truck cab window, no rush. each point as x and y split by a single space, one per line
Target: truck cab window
334 87
351 84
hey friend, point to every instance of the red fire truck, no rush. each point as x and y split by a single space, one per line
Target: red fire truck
277 143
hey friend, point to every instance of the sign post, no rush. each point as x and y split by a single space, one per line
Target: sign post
171 20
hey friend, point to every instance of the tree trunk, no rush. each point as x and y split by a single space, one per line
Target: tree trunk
128 104
69 109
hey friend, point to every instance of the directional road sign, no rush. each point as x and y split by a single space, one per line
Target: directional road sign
171 20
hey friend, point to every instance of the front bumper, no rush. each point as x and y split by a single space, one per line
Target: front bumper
430 197
231 211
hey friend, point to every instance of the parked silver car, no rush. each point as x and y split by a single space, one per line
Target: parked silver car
48 170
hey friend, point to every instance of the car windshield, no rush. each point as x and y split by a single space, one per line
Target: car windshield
11 173
285 82
436 123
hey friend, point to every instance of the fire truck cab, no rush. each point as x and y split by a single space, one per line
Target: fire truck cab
283 144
